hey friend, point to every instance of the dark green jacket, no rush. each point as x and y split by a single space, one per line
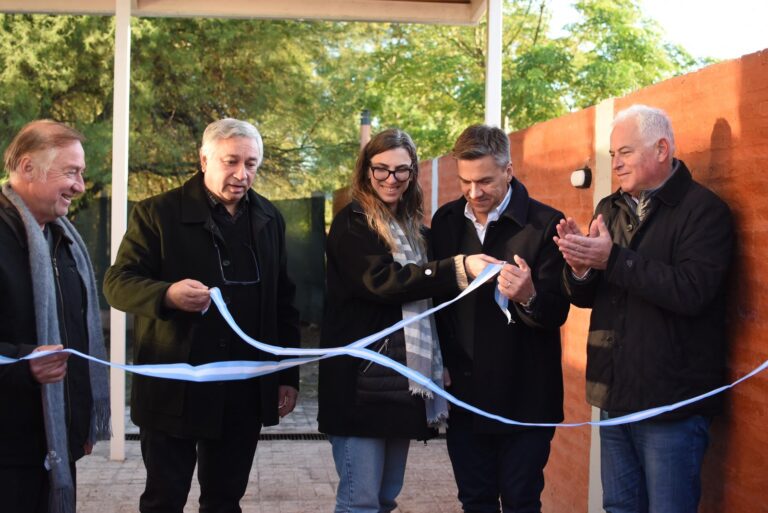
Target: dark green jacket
169 238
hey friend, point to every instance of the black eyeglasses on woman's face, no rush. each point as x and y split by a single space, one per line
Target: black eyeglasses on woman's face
401 173
227 263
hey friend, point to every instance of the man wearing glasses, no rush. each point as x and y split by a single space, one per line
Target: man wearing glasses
212 231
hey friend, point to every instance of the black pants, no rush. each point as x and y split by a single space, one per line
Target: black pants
489 467
25 489
223 469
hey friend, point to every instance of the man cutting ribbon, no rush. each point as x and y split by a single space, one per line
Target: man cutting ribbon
507 366
212 231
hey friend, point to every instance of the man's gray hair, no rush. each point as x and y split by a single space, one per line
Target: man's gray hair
652 123
478 141
227 128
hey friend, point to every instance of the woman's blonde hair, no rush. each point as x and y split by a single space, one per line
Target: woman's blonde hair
410 211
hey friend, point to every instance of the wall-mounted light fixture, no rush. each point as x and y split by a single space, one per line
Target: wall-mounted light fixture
582 178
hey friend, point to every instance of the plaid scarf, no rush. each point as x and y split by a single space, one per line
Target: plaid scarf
642 206
422 349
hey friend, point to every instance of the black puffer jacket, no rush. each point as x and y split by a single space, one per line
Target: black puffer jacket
379 384
366 290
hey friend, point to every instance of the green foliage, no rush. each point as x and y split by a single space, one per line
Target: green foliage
541 85
59 67
618 51
304 83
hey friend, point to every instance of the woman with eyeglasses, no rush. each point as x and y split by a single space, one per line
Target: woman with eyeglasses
377 274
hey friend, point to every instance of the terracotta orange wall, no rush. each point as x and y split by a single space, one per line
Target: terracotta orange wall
543 157
720 119
448 183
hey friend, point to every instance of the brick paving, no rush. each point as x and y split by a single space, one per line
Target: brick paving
288 476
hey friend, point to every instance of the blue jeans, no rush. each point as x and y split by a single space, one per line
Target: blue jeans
653 466
370 472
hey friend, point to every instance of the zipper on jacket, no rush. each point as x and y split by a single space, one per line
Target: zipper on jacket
379 350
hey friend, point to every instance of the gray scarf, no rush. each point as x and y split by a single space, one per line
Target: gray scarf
422 350
62 494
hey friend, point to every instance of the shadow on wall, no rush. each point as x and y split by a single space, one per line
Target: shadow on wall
735 466
713 175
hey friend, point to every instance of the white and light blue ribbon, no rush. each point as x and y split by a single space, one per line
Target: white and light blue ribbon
503 303
238 370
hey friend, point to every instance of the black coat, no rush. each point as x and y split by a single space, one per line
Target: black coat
516 369
169 238
366 290
22 433
657 330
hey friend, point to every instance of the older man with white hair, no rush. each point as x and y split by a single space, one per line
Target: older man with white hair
213 231
653 268
54 408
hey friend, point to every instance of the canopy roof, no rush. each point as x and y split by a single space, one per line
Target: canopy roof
454 12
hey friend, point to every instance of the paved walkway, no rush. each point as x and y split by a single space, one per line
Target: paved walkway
288 476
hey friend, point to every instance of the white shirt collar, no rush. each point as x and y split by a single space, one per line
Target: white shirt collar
493 215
